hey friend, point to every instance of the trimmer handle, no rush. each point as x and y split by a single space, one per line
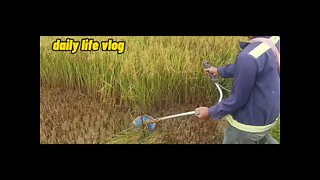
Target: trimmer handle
206 65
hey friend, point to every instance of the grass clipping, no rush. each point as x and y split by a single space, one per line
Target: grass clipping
137 136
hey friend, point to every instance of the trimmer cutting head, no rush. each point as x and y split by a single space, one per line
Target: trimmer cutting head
139 122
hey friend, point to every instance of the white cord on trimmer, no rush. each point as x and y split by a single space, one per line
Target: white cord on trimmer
224 88
220 92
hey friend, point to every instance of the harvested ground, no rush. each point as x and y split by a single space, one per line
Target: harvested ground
71 117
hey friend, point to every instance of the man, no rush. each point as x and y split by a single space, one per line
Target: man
254 103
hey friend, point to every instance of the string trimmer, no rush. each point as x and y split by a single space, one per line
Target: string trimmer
149 123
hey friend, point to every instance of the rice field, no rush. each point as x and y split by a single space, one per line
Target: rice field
91 96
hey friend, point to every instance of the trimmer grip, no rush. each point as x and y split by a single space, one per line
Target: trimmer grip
206 65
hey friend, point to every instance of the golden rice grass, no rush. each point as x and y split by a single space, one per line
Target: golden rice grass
152 75
137 136
152 72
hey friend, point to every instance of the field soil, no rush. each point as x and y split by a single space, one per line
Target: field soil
68 116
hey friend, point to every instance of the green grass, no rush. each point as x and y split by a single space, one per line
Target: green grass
275 132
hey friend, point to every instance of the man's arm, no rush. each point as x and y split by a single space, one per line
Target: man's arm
245 70
226 71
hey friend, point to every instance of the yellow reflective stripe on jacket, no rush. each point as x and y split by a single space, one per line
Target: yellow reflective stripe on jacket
248 128
256 52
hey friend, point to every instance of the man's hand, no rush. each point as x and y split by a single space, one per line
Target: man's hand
212 70
202 112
